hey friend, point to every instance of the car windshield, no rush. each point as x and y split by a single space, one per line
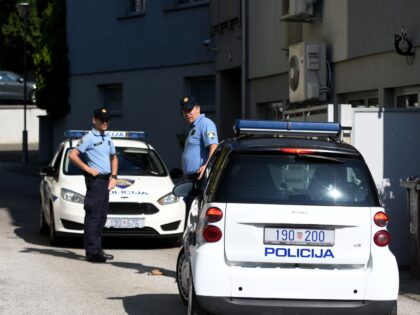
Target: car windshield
280 179
131 161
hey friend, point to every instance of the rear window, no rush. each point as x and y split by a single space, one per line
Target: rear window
280 179
131 161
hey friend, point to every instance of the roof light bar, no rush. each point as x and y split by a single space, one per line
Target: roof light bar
136 135
243 126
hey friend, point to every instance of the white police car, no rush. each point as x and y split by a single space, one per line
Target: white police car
286 222
142 203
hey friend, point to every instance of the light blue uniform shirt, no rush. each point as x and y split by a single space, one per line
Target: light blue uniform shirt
202 134
98 149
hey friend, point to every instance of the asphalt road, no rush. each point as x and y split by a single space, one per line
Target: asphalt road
36 278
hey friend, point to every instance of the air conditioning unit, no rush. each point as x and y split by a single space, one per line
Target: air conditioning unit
308 72
297 10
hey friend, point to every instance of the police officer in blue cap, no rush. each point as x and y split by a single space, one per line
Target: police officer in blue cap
201 142
100 171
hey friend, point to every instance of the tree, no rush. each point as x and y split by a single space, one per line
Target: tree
46 50
50 59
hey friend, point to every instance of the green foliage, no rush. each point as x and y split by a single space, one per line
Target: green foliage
46 49
50 59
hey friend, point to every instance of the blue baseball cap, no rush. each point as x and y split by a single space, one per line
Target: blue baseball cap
101 114
188 103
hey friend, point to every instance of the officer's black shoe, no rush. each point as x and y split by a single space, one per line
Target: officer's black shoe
96 258
107 256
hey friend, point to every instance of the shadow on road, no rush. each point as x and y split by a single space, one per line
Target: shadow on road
140 268
54 252
64 253
153 304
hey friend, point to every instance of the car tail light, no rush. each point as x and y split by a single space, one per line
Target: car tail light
382 238
297 151
381 219
212 233
214 215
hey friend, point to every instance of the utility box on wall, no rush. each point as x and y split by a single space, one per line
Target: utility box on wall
307 72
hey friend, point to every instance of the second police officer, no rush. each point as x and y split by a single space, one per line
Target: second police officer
201 142
100 171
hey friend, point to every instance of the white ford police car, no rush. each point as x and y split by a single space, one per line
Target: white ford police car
142 203
286 221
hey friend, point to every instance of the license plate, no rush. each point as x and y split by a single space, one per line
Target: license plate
290 236
124 223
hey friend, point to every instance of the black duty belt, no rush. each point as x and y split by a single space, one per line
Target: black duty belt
100 176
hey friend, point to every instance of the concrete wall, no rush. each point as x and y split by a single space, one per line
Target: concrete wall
150 103
226 33
102 38
360 49
11 128
151 56
267 56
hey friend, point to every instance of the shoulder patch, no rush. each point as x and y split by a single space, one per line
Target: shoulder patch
211 134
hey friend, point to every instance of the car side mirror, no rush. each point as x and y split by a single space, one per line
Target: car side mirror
20 80
176 173
47 171
183 189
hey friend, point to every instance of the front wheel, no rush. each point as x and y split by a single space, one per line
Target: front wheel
182 275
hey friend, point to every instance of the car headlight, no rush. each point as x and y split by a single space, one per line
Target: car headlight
168 199
72 196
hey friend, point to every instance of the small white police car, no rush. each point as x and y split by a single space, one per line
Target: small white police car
142 203
286 221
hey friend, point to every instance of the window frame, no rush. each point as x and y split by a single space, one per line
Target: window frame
129 12
102 103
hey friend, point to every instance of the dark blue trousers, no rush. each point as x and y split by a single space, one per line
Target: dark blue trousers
96 207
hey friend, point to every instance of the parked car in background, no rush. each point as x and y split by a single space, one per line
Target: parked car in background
141 204
11 88
287 220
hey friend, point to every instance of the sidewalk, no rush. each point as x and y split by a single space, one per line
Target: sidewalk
410 286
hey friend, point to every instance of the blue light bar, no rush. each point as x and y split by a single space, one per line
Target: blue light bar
75 134
135 135
243 126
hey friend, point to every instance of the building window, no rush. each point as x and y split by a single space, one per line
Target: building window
408 101
357 102
135 7
203 89
272 111
111 97
362 99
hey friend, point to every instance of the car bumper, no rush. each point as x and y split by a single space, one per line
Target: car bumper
168 222
224 305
